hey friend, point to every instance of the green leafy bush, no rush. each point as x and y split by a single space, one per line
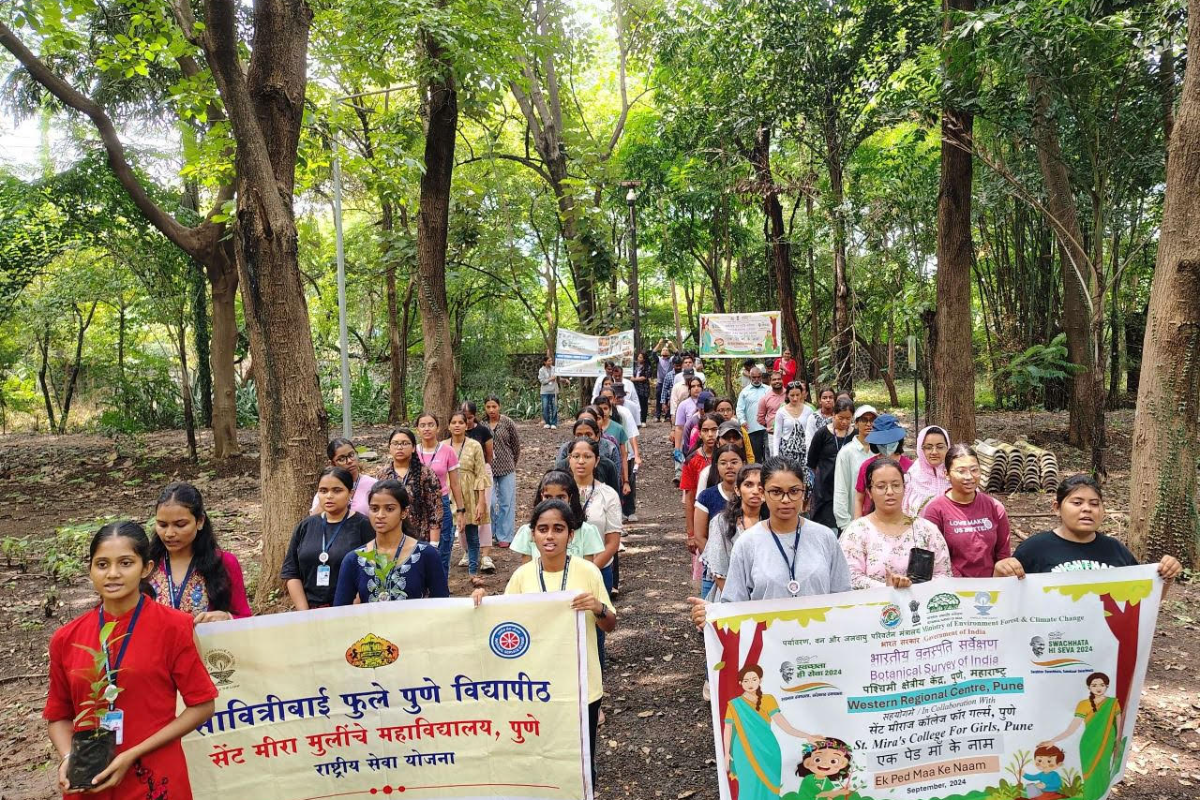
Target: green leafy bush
1023 380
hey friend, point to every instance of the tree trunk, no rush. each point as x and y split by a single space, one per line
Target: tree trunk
396 392
1076 267
1166 428
953 402
405 327
779 247
122 322
202 336
185 385
44 378
84 323
441 127
813 318
843 334
223 283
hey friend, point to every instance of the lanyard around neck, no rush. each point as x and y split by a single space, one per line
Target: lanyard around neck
566 570
111 668
176 595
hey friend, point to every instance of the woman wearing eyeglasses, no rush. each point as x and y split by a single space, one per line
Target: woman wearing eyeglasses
974 524
422 485
927 477
784 555
342 453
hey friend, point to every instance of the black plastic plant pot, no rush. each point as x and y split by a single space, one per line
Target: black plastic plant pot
91 752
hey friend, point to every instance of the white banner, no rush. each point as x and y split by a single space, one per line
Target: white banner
583 355
739 335
958 689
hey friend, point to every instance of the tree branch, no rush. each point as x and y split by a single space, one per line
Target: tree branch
528 162
185 238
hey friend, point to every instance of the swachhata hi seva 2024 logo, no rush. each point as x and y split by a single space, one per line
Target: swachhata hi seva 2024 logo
509 640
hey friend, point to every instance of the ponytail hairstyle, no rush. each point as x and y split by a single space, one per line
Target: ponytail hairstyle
136 534
566 481
585 422
206 556
337 444
713 477
468 407
568 515
1074 483
957 451
757 670
843 403
396 489
1095 676
341 473
734 512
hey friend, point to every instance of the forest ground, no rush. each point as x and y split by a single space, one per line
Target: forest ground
657 742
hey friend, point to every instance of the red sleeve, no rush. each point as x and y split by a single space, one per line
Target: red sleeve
239 606
690 476
860 485
1003 532
189 674
931 513
59 705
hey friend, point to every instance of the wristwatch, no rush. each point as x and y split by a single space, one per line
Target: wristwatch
603 612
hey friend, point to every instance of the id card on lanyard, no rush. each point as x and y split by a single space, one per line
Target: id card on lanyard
114 719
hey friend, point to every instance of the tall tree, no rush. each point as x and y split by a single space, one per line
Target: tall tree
1166 428
953 365
264 103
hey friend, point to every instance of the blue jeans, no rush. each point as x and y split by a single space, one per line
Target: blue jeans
706 585
504 507
472 546
550 409
446 544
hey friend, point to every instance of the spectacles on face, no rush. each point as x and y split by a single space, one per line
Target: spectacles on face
346 458
934 448
794 493
889 488
967 472
400 444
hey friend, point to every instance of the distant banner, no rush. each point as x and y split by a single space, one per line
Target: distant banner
581 355
960 689
739 335
423 698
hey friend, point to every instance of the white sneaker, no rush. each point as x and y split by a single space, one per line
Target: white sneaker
553 427
465 562
487 565
546 425
632 518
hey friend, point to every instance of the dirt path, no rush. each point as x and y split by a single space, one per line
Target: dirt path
657 742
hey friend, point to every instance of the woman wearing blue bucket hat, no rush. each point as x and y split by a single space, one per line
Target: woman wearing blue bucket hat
885 439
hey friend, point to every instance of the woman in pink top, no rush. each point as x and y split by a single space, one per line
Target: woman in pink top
342 453
927 478
974 525
191 573
877 546
440 458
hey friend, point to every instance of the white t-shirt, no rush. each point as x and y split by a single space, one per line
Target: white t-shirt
601 507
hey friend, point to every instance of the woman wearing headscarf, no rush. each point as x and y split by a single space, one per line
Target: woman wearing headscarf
927 479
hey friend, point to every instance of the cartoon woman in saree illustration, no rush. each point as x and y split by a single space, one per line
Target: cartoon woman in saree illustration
1101 718
751 752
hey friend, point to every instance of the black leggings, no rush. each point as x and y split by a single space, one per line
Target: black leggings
593 721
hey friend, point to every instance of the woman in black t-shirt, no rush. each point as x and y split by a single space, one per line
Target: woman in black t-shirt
321 541
1077 543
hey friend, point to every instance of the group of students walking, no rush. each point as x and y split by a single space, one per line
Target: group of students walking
780 500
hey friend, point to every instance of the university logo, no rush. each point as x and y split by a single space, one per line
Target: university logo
983 603
890 617
371 652
220 666
509 640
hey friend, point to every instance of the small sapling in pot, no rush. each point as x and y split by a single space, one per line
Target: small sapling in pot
94 745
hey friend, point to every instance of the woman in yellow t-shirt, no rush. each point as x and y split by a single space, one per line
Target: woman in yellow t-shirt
553 525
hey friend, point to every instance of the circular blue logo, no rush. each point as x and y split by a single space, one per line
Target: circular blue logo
509 640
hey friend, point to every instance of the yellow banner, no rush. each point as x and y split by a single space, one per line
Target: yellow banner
420 699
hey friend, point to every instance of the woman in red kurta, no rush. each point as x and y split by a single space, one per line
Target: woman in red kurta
159 663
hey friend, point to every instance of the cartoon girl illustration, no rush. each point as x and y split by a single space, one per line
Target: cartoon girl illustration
751 752
825 770
1101 718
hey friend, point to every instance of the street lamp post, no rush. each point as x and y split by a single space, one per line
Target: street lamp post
635 288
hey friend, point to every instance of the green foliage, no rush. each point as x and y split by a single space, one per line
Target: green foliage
64 557
101 689
16 551
1026 375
